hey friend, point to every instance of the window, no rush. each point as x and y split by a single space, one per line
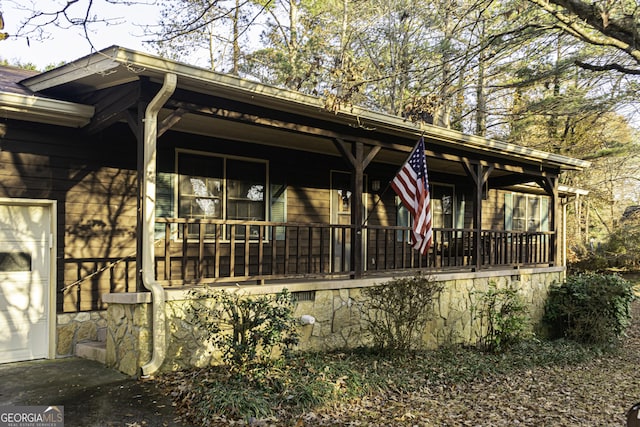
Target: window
442 206
211 187
526 212
442 209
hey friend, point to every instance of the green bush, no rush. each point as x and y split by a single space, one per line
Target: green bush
246 329
396 312
589 308
503 318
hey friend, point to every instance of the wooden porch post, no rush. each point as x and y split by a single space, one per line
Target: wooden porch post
551 185
357 183
480 175
359 163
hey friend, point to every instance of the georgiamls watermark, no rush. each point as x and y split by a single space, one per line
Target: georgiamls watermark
32 416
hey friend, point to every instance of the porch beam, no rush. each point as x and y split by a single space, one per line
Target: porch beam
515 179
342 147
268 122
169 121
256 120
111 105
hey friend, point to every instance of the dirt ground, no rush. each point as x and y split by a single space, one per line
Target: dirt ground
597 393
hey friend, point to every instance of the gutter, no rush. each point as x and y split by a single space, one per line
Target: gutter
44 110
148 208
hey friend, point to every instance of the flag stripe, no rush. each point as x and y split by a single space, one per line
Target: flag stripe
411 184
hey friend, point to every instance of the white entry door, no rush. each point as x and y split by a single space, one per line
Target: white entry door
24 282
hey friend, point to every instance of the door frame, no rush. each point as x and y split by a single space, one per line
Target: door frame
51 205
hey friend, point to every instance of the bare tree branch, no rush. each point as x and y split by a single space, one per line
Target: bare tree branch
608 67
595 26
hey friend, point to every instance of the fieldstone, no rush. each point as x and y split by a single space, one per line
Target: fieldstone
86 331
128 364
141 315
111 352
116 313
323 306
64 319
83 317
65 334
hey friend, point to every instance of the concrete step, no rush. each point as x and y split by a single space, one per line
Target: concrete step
92 350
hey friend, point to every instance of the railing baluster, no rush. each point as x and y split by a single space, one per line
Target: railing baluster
247 247
167 251
201 232
232 250
185 247
310 250
286 250
322 254
274 250
261 230
218 234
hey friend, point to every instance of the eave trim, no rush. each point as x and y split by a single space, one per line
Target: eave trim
44 110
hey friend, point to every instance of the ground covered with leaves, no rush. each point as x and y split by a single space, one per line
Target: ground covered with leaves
537 383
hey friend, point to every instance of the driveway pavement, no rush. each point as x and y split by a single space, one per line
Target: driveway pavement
91 394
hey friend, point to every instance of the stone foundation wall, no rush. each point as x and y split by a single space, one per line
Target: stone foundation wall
72 328
337 310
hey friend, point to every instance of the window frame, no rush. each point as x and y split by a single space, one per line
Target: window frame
542 217
266 197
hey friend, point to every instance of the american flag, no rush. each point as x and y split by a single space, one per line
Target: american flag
412 186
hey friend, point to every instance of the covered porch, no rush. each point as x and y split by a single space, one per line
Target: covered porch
300 184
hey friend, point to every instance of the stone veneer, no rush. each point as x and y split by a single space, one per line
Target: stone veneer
337 309
72 328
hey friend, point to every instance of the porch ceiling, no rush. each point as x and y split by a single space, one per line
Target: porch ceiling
263 135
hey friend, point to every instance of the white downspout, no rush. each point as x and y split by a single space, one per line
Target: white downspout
148 223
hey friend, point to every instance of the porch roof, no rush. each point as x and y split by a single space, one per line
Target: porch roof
116 65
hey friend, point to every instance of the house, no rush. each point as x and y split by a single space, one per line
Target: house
127 178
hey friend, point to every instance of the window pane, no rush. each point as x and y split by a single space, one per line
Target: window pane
519 212
245 190
15 261
200 186
442 206
533 214
403 219
246 184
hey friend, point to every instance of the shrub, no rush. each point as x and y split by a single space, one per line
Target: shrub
396 312
246 329
503 318
589 308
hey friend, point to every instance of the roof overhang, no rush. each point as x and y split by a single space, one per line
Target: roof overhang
44 110
563 190
116 65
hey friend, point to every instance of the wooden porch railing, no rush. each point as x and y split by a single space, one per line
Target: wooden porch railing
208 251
204 251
